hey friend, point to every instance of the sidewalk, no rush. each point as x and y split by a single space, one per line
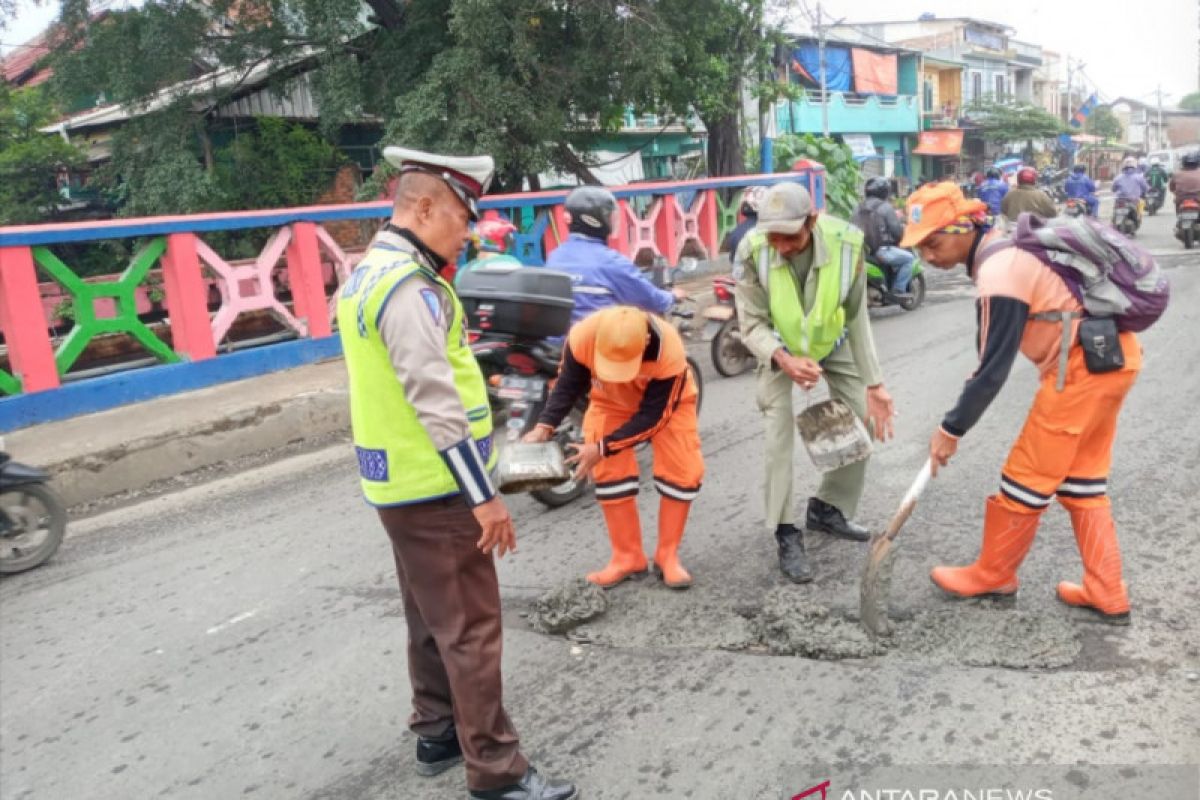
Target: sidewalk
128 448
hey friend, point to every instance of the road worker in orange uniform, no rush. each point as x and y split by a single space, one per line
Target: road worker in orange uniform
635 366
1065 448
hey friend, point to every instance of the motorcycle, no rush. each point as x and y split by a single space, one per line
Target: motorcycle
1187 222
729 355
33 518
878 293
1076 207
1154 200
1125 216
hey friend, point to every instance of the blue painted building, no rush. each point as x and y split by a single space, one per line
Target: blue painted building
871 100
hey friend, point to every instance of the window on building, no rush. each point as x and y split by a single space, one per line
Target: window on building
999 87
976 85
928 96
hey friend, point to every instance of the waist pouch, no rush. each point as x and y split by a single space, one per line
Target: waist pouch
1101 343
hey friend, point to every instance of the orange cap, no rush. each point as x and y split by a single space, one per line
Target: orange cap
621 333
936 206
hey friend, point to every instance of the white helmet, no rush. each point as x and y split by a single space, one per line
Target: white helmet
751 197
1129 163
1154 162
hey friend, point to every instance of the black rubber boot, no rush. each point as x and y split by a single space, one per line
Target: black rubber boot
793 561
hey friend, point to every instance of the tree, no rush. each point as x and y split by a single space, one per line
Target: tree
717 49
1003 123
1103 122
30 161
1190 102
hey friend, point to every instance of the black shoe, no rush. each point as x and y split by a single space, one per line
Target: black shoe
435 756
532 787
828 519
793 561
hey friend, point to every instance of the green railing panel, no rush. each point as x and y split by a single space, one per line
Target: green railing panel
9 384
122 291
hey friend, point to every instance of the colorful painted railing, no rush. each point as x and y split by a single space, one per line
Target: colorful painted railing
656 219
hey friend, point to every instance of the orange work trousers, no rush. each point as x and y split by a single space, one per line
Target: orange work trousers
678 464
1065 448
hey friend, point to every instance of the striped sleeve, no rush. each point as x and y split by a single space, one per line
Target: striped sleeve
470 472
658 404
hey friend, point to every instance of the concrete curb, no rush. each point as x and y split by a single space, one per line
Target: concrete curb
129 448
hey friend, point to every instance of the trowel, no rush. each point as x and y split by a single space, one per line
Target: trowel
833 434
877 576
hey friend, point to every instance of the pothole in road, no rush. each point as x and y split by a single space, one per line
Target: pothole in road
790 621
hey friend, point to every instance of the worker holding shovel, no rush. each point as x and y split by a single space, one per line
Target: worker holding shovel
801 301
1065 448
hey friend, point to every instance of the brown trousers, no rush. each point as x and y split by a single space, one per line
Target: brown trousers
452 606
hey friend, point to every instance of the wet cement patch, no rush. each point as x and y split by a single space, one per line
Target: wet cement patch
793 621
567 606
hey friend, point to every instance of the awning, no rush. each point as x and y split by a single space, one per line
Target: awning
860 144
939 143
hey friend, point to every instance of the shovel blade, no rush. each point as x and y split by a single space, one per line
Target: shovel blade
875 588
833 435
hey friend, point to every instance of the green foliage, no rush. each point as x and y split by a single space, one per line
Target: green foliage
1190 102
30 160
1002 123
281 164
842 176
1103 122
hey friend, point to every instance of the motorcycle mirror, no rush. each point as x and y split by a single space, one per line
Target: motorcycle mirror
688 264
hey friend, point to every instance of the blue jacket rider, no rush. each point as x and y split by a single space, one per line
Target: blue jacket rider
602 276
992 191
1081 187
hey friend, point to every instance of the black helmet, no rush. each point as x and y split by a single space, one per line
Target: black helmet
1191 160
993 173
1079 169
878 187
591 209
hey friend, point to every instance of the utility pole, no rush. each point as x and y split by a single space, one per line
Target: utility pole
1069 73
1159 138
821 66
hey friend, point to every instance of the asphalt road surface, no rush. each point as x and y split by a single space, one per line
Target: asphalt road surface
244 638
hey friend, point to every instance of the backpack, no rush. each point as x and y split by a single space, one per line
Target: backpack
1110 275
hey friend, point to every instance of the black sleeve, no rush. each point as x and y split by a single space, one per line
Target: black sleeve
1001 326
658 403
574 380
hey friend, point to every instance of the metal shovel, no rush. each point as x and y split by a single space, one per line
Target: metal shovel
877 575
833 435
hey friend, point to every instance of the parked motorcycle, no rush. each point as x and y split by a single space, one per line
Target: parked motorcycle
33 518
1187 223
729 355
1125 216
1076 207
878 293
1154 200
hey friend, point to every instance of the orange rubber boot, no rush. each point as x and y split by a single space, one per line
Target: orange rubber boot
1007 537
625 534
672 518
1102 591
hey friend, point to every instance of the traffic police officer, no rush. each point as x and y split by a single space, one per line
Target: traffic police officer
423 436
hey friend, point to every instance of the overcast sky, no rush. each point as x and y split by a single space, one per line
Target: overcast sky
1129 48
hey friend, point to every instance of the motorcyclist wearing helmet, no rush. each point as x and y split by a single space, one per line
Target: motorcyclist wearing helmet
602 276
1131 185
1081 187
882 230
491 240
749 209
1157 176
1186 183
1143 166
992 191
1027 197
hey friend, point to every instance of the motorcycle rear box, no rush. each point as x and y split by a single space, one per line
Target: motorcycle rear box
525 302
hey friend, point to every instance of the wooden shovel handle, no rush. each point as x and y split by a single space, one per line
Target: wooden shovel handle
909 502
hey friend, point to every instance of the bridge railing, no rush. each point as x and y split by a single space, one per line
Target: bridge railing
178 299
